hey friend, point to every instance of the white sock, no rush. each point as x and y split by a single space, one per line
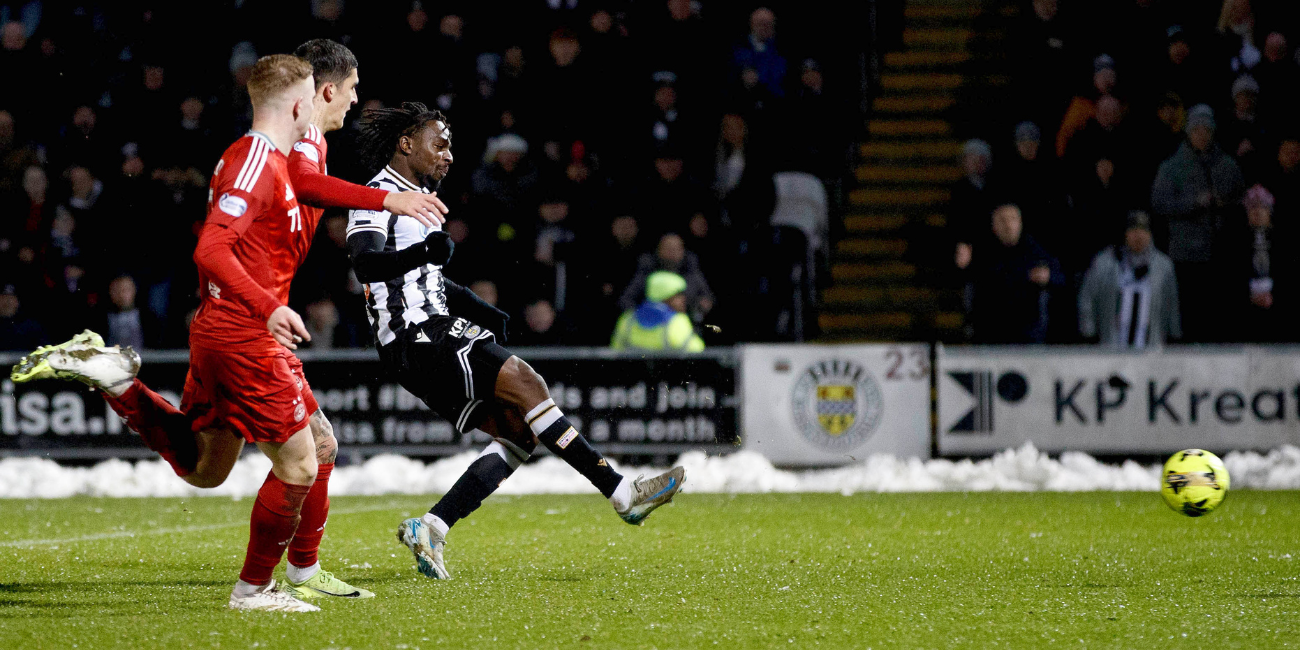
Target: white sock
542 416
435 522
300 575
243 589
621 499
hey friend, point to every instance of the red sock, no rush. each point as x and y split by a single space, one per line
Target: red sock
275 518
315 510
163 428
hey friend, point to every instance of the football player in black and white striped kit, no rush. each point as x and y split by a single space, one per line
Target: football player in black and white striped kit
440 342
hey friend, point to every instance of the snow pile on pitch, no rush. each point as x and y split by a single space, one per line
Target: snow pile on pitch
1021 470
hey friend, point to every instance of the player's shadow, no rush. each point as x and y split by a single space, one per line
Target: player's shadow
25 600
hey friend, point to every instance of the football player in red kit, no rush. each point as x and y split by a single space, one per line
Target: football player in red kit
243 384
243 378
204 456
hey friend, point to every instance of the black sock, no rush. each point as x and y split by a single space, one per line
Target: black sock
484 475
564 441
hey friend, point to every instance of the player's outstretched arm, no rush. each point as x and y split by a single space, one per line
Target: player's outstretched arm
374 264
428 209
325 191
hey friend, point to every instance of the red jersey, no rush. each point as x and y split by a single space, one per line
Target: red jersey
308 157
255 238
317 190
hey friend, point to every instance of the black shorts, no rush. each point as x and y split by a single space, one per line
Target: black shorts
451 364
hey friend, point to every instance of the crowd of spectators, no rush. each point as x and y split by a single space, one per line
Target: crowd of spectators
1141 182
596 142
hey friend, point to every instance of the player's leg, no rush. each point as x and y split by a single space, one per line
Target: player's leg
426 536
511 447
304 574
302 553
276 514
519 386
112 370
218 451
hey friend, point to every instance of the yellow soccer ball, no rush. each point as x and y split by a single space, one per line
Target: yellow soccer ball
1194 482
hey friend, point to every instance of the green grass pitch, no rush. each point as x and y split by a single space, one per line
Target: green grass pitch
1092 570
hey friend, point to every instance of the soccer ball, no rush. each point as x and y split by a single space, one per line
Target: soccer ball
1194 482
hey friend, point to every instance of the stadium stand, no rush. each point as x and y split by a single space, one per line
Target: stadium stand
1078 113
578 126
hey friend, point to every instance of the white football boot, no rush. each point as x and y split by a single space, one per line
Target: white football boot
268 598
426 544
83 358
648 494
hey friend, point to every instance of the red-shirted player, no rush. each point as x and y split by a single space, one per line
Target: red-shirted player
201 454
242 380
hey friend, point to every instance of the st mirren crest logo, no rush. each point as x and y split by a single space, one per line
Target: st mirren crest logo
837 404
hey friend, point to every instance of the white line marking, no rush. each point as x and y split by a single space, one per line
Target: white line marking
169 531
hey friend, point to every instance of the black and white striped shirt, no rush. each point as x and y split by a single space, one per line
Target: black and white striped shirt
413 298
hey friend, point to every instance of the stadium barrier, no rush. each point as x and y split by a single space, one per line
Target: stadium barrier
1244 397
835 404
797 405
627 404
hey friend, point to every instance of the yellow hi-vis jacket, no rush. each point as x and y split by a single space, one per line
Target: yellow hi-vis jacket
655 326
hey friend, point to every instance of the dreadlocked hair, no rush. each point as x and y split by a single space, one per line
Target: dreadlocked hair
381 128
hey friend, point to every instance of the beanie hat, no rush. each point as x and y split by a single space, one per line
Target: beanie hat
1200 115
1028 132
1258 196
662 285
977 147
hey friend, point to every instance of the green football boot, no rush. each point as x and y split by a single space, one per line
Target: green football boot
324 584
37 365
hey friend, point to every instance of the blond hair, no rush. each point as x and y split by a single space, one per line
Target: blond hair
274 74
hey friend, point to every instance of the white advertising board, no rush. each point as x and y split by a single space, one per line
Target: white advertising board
1084 399
835 404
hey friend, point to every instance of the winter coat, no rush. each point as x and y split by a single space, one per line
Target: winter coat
1100 295
1181 180
1007 307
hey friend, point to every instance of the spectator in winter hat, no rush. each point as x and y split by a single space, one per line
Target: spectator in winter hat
1242 133
1105 137
971 201
1182 72
1195 191
659 323
1031 181
505 178
1262 274
1129 297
